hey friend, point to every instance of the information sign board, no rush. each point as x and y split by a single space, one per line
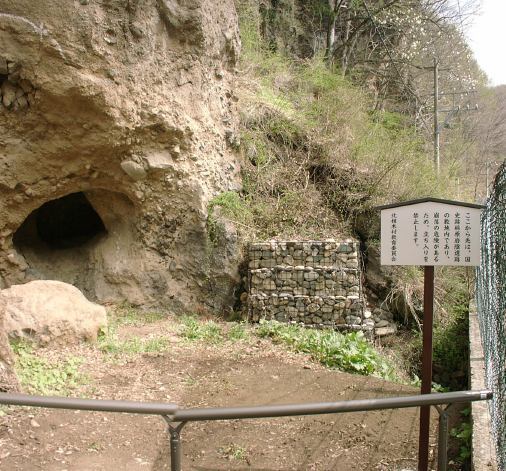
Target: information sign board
430 232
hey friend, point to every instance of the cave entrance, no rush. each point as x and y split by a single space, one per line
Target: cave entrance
64 223
87 239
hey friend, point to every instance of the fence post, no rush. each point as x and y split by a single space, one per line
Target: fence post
175 444
442 447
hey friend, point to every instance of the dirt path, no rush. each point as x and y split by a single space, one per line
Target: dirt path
196 374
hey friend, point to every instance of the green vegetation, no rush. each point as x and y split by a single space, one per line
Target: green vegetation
464 434
325 140
231 206
109 342
237 332
348 352
194 329
450 335
316 155
126 314
41 376
233 451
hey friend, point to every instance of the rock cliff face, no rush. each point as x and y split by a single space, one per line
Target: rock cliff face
116 129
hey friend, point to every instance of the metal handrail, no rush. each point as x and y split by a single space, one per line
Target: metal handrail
99 405
248 412
356 405
177 417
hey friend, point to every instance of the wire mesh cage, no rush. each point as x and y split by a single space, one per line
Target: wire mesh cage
308 282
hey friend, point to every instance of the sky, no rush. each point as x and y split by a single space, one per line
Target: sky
487 38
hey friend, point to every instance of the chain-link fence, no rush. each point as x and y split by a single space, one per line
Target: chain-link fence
491 302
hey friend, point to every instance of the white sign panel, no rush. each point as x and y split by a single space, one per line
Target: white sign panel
430 233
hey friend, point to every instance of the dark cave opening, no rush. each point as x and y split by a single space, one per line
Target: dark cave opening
63 223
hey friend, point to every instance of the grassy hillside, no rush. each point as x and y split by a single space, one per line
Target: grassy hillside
315 155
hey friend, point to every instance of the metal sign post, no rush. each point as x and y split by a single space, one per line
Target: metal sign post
428 316
429 232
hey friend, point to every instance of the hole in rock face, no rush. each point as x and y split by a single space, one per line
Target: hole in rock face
64 223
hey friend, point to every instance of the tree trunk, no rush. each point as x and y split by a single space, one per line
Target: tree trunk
331 31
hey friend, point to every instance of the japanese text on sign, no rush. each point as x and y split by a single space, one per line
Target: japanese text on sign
430 233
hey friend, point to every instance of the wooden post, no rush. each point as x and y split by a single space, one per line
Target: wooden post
428 315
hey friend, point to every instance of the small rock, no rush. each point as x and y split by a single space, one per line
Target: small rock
310 276
134 170
159 161
385 331
381 323
34 423
136 31
176 151
22 102
12 67
111 73
84 2
8 93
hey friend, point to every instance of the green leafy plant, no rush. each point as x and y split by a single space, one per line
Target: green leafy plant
464 434
194 329
230 201
348 352
127 314
233 451
42 376
237 332
109 342
417 382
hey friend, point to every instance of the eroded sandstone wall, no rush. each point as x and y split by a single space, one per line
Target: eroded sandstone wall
128 105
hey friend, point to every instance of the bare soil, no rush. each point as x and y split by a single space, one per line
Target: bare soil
197 374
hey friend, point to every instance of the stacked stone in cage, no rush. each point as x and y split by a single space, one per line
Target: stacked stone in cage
309 282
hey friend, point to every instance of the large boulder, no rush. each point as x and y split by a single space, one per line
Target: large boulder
8 379
46 310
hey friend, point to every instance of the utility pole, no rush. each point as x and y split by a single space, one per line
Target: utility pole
436 120
451 112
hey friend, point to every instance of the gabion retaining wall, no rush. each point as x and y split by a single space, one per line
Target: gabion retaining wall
308 282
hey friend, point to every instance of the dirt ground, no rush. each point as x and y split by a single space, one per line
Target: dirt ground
199 374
